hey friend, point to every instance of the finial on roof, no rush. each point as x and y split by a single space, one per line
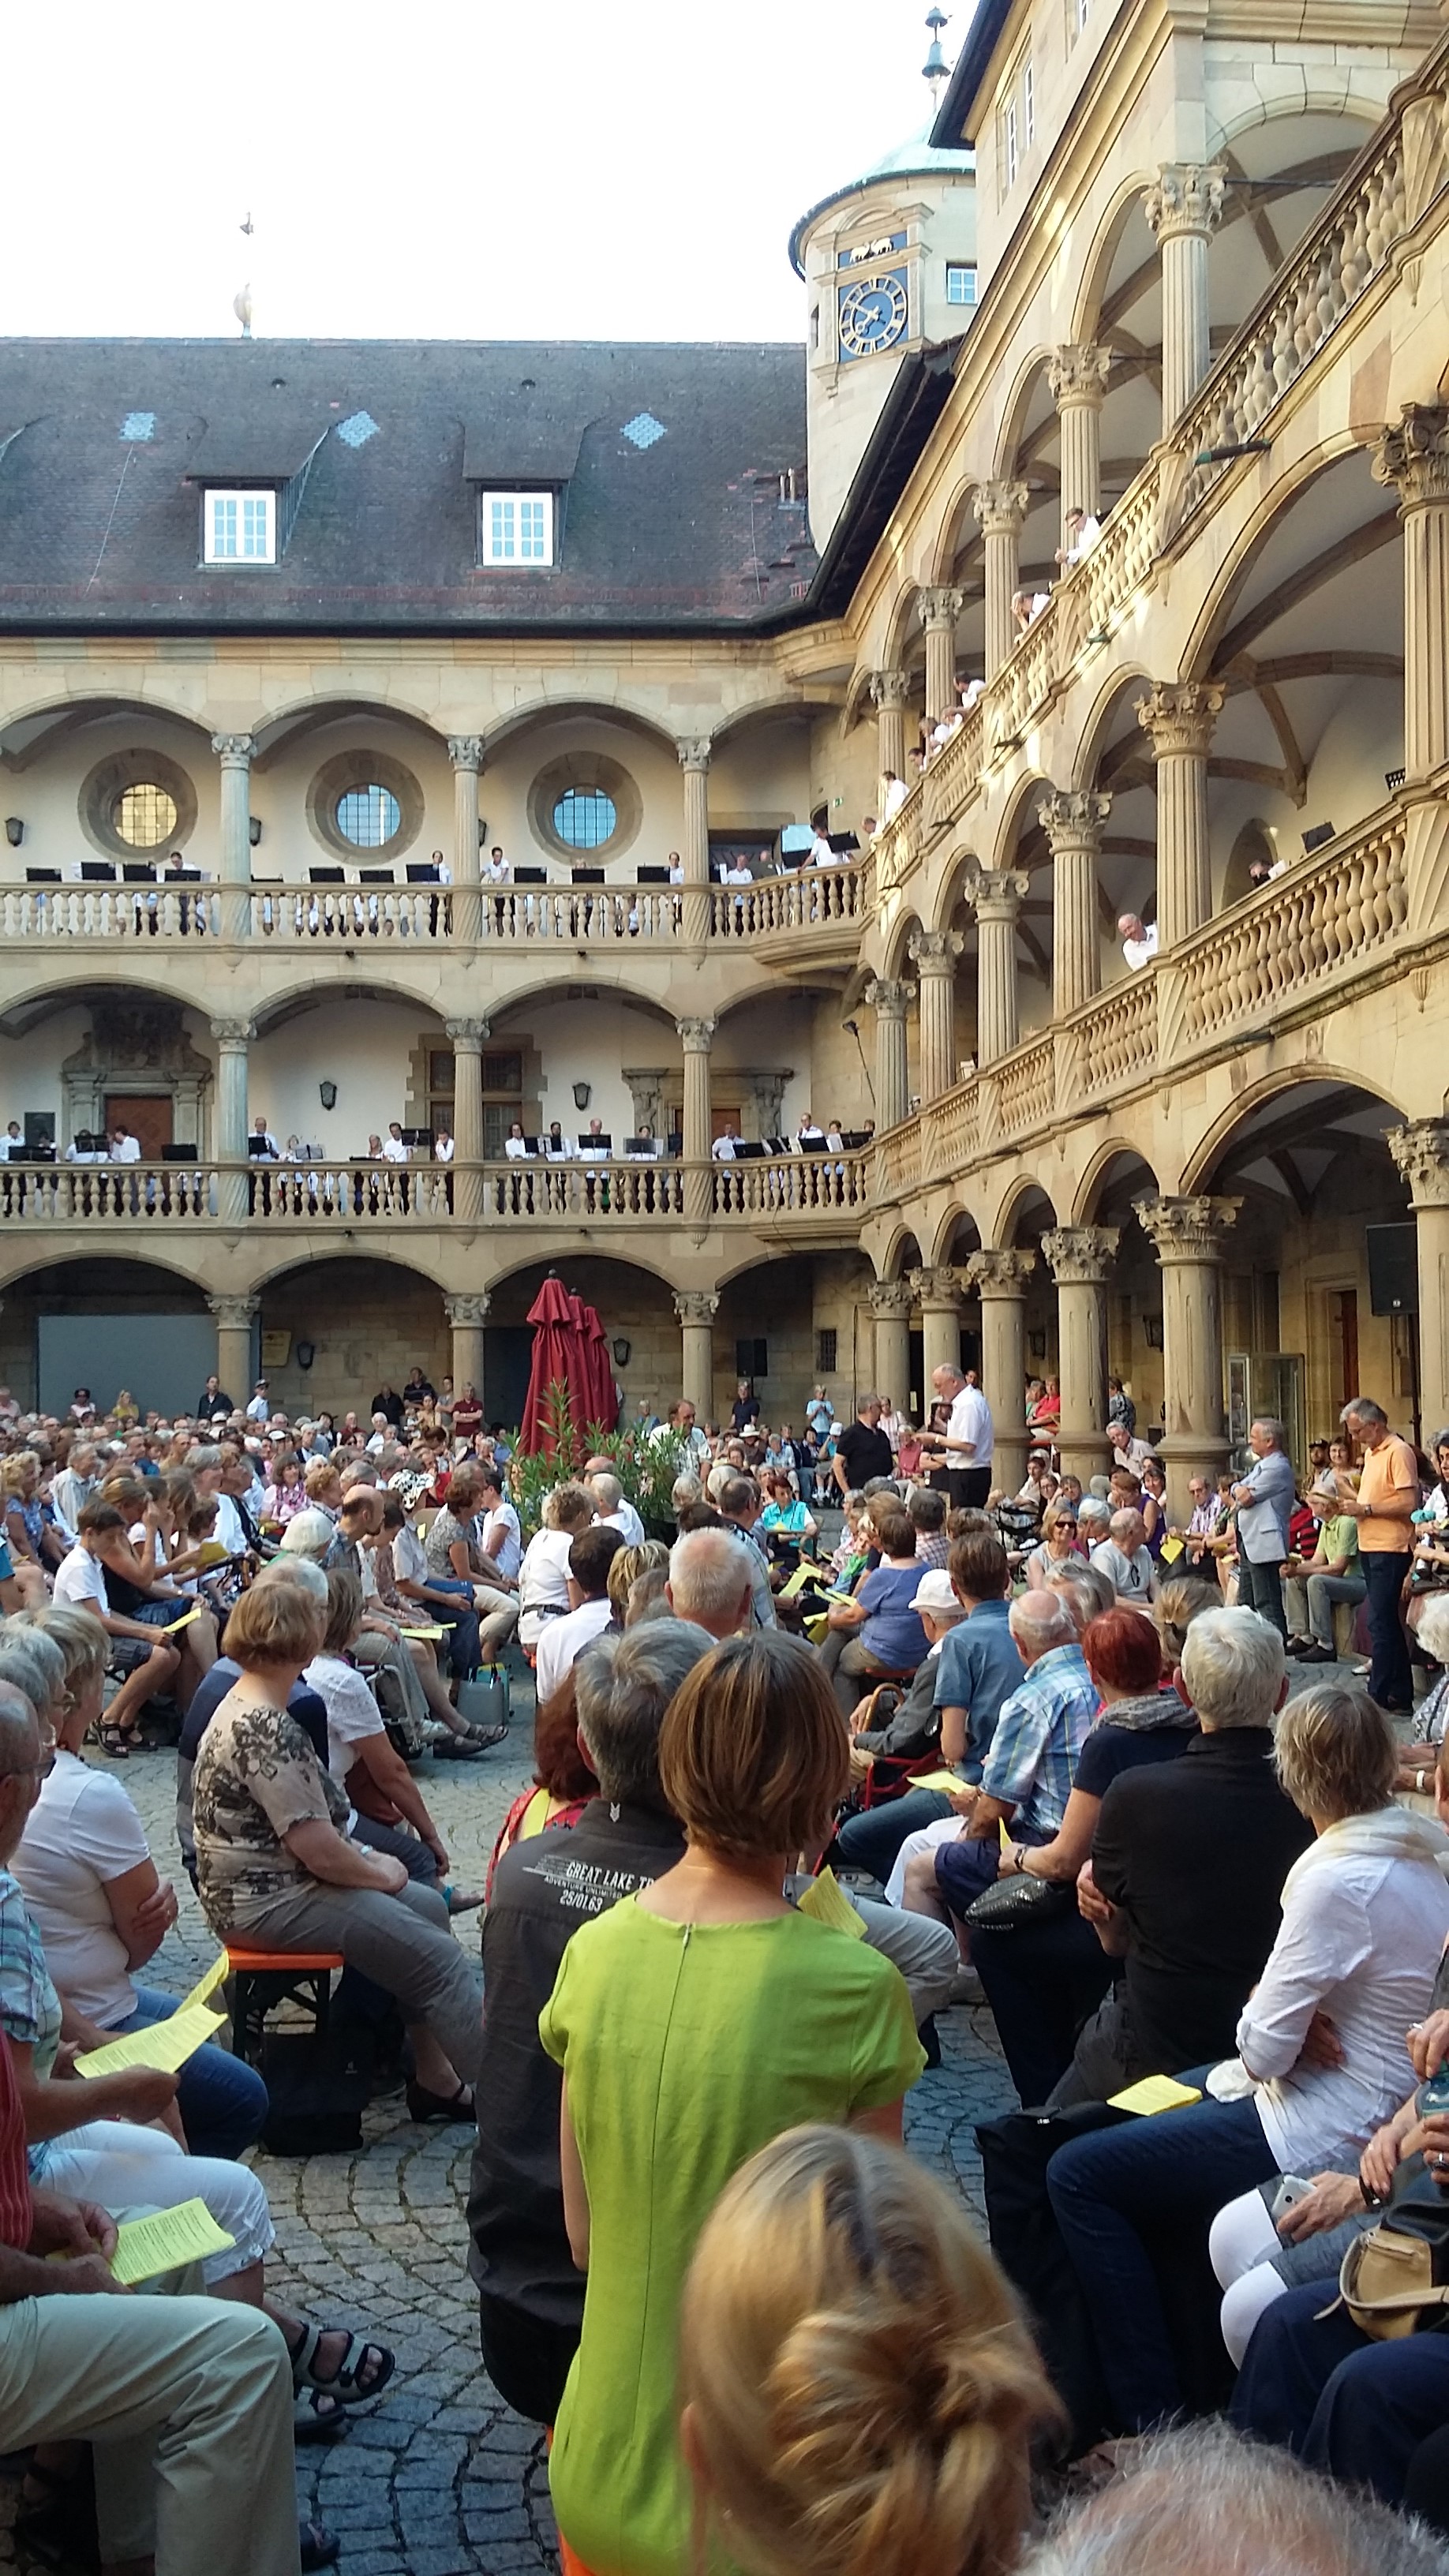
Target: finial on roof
935 71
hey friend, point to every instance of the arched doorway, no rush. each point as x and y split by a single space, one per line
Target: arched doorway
107 1325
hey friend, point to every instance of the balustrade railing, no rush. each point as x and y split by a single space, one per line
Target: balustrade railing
1026 1086
1343 907
816 899
1116 1036
108 912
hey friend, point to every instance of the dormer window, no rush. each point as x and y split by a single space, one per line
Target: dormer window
240 527
515 528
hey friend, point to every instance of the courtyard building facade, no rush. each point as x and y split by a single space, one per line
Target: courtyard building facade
999 917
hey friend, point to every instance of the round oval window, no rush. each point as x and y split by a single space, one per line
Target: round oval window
144 815
585 818
369 817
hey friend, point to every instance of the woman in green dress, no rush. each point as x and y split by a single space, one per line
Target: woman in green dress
695 2022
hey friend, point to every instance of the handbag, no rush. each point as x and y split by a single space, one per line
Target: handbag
1394 2279
1013 1904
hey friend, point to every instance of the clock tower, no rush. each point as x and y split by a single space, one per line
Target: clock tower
889 265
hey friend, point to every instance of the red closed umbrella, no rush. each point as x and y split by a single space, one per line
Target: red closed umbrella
599 1370
556 1362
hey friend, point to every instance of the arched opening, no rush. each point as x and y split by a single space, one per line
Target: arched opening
1300 1330
366 1324
107 1324
1118 762
635 1307
791 1324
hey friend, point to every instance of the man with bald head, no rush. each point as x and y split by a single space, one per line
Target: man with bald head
709 1582
1027 1776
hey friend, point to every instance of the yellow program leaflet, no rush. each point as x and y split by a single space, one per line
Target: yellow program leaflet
826 1900
166 2044
1152 2094
167 2241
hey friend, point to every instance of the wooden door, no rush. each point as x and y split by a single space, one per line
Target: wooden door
149 1121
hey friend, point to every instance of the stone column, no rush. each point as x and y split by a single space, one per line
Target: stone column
1178 716
1001 510
995 895
229 1125
891 1301
938 1294
1184 207
888 693
890 1002
1081 1259
1421 1151
467 1038
1001 1280
934 954
696 1308
696 1038
694 757
939 612
467 1316
1078 376
234 751
1072 820
465 750
234 1318
1414 458
1188 1234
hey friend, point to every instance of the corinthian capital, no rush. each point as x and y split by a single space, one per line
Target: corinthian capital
890 1000
695 1036
1072 816
888 689
1414 457
891 1301
995 894
694 750
467 1036
1078 374
1421 1151
470 1308
941 607
1001 1274
1185 197
233 750
696 1305
1001 508
1179 715
1081 1256
465 750
939 1289
934 952
1188 1229
233 1035
233 1314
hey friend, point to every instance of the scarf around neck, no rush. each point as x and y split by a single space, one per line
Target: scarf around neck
1391 1833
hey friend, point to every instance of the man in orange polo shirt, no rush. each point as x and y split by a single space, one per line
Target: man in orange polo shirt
1387 1498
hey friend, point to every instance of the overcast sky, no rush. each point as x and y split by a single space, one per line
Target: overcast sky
426 168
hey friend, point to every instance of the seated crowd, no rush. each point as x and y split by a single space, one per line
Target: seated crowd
1029 1753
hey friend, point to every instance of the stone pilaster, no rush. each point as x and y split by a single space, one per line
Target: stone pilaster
696 1037
1001 1280
1184 207
694 759
938 1294
468 1039
890 1000
889 691
234 751
1072 820
229 1139
891 1301
234 1319
696 1308
1001 510
467 1314
933 954
1414 458
1178 717
1421 1151
1077 375
1082 1260
1188 1235
940 609
995 895
465 751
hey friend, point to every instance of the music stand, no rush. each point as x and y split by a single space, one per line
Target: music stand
97 872
530 876
424 876
651 876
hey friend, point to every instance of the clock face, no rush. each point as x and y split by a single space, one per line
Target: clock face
872 316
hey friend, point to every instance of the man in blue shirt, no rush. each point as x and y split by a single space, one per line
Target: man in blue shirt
1264 1501
977 1669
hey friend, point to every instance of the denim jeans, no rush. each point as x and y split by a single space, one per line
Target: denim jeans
1320 2387
1260 1588
1391 1675
872 1840
222 2100
1179 2167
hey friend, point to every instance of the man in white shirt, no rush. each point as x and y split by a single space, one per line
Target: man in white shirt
556 1146
125 1148
563 1640
1139 944
395 1150
592 1148
723 1148
515 1145
1082 531
807 1133
496 870
74 1486
262 1144
443 1146
966 1445
821 853
676 868
12 1136
896 792
260 1408
501 1539
680 1427
612 1503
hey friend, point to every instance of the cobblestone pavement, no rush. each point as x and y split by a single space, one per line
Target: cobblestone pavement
441 2478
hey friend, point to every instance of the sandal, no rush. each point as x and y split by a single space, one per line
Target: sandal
487 1736
316 2546
423 2105
458 1748
462 1900
345 2383
115 1740
317 2416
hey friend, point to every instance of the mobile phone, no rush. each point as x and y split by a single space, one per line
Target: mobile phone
1433 2096
1292 2188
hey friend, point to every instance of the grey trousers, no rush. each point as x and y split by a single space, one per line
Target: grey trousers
924 1950
402 1942
498 1613
1309 1599
188 2401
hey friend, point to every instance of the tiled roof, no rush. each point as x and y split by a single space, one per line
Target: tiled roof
670 457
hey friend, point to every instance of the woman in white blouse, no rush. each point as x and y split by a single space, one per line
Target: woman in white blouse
389 1812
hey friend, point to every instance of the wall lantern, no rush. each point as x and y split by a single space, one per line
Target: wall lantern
1152 1331
306 1354
622 1349
14 830
327 1092
582 1095
254 829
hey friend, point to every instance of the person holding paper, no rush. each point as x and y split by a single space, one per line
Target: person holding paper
149 1661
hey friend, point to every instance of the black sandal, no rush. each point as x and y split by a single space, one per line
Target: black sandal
117 1741
345 2384
316 2546
423 2105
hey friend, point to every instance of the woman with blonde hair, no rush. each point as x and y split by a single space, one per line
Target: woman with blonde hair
859 2388
651 1556
694 2022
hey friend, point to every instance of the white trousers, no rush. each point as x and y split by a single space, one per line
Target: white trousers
123 2165
944 1830
1242 2242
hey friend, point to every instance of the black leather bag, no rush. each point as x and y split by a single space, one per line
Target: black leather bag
1010 1904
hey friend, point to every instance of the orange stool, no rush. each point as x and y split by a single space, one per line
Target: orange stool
261 1979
